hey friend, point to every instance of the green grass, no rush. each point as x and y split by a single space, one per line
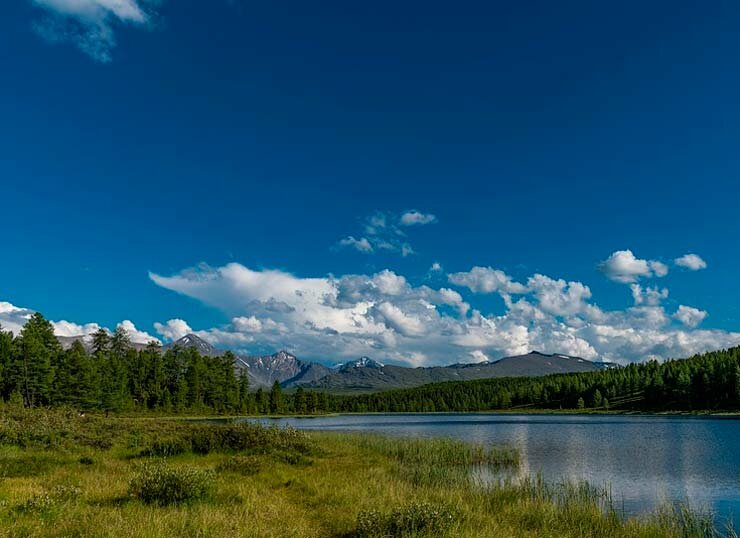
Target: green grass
62 475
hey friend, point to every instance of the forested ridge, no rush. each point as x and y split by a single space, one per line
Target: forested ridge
113 376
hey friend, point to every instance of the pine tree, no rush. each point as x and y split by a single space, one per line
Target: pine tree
120 342
299 401
276 398
263 404
100 341
32 369
244 395
6 356
74 378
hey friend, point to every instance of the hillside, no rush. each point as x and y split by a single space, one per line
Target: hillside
359 377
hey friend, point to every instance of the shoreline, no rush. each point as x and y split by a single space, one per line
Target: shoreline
508 412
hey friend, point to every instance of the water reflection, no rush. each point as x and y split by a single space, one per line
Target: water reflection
645 460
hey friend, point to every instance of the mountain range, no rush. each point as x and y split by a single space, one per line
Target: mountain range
368 375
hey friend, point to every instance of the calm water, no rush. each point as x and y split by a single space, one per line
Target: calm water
646 460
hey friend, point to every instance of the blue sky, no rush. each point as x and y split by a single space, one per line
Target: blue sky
141 140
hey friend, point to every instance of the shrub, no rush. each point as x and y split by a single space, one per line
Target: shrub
158 483
206 438
86 460
165 448
417 519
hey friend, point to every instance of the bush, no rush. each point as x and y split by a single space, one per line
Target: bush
165 448
158 483
207 438
86 460
417 519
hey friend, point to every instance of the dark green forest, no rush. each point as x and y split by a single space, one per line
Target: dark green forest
114 376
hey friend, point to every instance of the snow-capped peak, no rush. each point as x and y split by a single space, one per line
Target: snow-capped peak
362 362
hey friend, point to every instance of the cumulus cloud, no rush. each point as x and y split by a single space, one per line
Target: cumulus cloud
67 328
648 296
486 280
386 316
558 297
173 329
478 356
136 336
13 318
692 262
89 24
689 316
416 218
389 317
622 266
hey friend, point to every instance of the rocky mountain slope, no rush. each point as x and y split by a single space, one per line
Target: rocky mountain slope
366 379
282 367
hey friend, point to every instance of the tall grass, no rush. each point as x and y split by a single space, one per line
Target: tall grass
440 451
67 475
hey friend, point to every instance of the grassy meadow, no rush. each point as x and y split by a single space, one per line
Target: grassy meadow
65 475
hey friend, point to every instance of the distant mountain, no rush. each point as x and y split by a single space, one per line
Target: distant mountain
283 367
192 341
368 375
362 362
348 378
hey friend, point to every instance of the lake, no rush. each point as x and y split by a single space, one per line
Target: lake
645 460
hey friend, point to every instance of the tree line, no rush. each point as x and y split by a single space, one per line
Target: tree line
709 381
114 376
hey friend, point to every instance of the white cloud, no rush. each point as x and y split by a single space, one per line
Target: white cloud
173 330
622 266
436 268
89 24
558 297
382 232
478 356
689 316
13 318
385 316
361 244
416 218
486 280
691 261
648 296
396 319
67 328
136 336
